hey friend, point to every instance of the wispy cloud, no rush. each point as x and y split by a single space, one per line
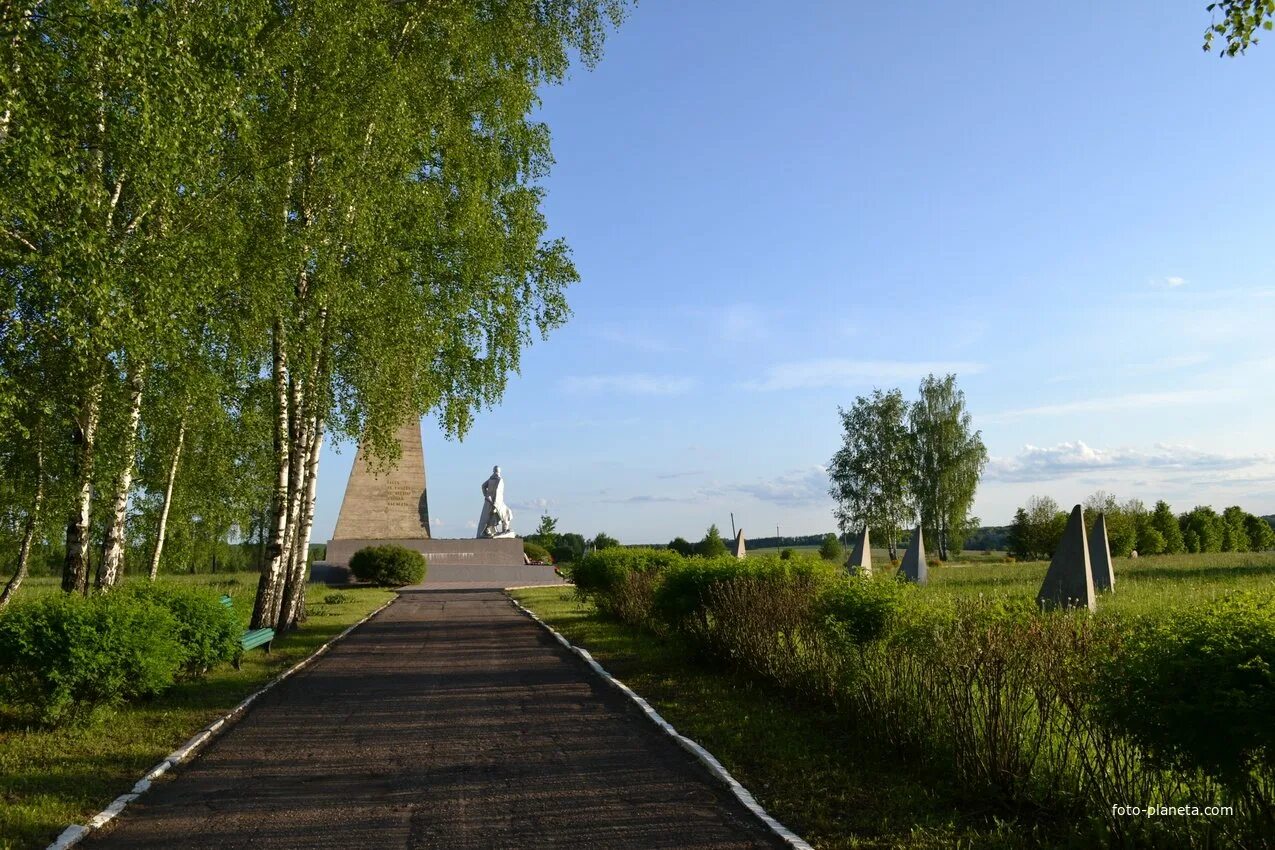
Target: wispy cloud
742 322
1165 364
1171 282
799 487
628 384
532 505
632 338
1036 463
837 372
1133 401
686 474
651 500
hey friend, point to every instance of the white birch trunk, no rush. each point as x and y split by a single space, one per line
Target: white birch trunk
161 530
75 570
28 535
111 567
276 554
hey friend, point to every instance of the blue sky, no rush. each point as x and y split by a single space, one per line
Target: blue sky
777 207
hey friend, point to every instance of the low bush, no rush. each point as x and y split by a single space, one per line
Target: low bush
622 582
207 630
63 656
1210 673
336 598
388 566
536 552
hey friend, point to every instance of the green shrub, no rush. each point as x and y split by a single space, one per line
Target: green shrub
388 566
1197 687
536 552
336 598
687 587
861 608
830 548
63 656
622 582
207 630
787 553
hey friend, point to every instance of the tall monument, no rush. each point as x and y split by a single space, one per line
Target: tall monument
390 507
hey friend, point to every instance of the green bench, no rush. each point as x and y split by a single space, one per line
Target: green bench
252 638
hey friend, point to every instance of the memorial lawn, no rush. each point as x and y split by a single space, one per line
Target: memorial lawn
50 778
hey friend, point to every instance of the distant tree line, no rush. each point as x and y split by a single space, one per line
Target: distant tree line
902 462
1131 526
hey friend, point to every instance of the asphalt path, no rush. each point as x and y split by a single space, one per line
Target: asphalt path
449 720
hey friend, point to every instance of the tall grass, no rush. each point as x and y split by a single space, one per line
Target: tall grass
1067 713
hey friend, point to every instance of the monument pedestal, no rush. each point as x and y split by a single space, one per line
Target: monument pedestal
503 551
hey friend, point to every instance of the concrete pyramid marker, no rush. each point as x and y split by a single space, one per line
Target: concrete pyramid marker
914 568
861 556
741 551
1069 581
1104 574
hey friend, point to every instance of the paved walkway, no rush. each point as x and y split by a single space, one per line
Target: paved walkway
447 721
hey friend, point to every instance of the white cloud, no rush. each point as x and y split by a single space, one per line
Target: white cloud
1173 281
798 487
1134 401
1037 463
533 505
1170 363
837 372
628 384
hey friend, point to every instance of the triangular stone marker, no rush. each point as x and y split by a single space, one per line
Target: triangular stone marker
861 555
1104 573
914 568
741 551
1069 581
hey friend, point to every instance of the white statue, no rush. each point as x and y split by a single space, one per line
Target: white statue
497 520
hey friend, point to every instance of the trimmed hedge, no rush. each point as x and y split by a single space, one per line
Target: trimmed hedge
536 552
388 566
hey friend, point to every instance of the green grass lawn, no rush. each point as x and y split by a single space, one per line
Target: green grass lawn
52 778
833 789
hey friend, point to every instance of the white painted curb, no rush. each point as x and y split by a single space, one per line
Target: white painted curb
76 833
702 755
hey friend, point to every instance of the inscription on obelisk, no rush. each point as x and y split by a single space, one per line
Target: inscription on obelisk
391 505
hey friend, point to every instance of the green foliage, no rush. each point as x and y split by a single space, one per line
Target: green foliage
947 460
1150 541
1260 534
1202 530
570 547
1163 521
786 553
830 548
1197 688
336 598
1240 20
536 552
869 473
622 582
682 546
860 609
1037 529
63 656
207 630
687 588
604 541
388 566
712 546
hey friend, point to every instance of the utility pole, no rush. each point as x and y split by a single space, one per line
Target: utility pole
732 524
778 543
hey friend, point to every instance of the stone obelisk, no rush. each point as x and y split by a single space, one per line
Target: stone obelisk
387 506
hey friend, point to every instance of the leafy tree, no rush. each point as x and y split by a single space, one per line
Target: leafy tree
1260 534
682 546
1163 521
1234 530
830 549
712 546
948 457
1037 529
869 474
604 541
1202 530
1122 521
571 545
1150 541
546 534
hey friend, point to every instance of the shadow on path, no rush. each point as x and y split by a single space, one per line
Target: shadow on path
447 721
